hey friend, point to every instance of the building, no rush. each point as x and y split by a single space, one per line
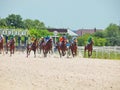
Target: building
81 32
60 31
63 31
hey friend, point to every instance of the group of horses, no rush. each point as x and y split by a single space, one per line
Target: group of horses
46 47
9 46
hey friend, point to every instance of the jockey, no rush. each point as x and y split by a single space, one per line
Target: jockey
32 39
89 41
67 43
61 39
47 38
41 40
11 38
74 39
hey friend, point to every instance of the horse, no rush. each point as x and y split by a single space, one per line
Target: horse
47 47
61 48
73 47
10 45
1 45
33 47
89 48
41 44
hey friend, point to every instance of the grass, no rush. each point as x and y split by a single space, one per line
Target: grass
104 55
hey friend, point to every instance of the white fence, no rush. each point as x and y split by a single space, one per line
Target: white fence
103 49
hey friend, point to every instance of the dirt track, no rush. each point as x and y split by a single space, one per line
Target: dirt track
54 73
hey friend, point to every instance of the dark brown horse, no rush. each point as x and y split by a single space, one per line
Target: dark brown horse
73 47
62 48
10 46
41 44
47 47
1 45
89 48
33 47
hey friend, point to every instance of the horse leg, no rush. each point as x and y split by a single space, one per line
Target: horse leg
0 50
40 50
62 53
46 53
75 52
59 53
85 51
6 49
27 52
34 53
3 51
13 50
72 52
10 51
89 54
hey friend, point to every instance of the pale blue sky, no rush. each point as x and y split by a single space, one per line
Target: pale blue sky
73 14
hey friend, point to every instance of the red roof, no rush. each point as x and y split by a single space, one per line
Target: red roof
81 32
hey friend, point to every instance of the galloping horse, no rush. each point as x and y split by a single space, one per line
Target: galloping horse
10 45
1 45
47 47
32 47
61 48
41 44
89 48
73 47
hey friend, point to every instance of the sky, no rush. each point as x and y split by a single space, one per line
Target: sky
72 14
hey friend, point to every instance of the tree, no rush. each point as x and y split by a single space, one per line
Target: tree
14 21
83 39
3 23
28 23
33 24
100 34
99 41
112 34
39 33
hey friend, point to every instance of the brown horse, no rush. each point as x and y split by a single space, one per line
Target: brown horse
33 47
62 48
1 45
10 46
47 47
89 48
41 44
73 47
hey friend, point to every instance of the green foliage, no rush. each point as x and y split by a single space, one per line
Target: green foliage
39 33
100 34
99 41
3 23
14 21
33 24
112 35
83 39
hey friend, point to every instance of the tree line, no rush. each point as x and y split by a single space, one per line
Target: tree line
110 36
34 27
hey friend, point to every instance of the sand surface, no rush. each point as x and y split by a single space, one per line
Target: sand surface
54 73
